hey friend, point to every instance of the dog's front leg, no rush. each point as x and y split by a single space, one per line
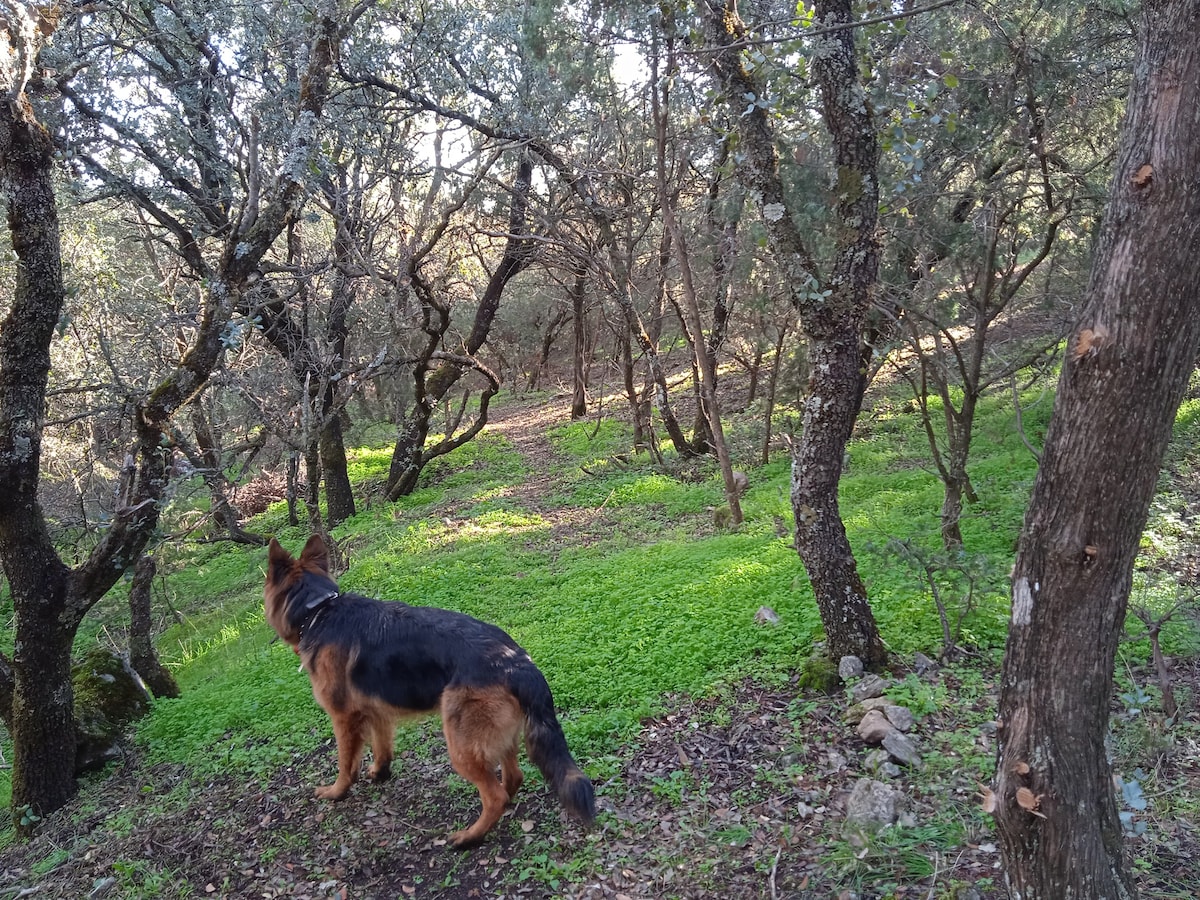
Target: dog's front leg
347 730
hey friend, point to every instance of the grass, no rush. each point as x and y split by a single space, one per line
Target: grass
615 625
655 603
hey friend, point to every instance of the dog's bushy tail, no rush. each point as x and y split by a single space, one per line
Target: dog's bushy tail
547 746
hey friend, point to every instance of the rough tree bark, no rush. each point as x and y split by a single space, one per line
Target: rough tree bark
339 496
1128 362
832 312
42 723
579 344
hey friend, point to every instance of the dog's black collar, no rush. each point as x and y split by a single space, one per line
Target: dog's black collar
317 602
308 602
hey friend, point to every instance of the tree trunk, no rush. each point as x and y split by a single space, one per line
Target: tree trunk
1127 366
206 458
724 255
142 655
772 386
49 601
43 719
312 491
554 325
408 456
579 352
658 376
339 497
821 538
754 370
43 776
293 487
832 313
639 411
951 516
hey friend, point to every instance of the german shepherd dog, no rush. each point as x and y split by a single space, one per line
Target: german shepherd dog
373 663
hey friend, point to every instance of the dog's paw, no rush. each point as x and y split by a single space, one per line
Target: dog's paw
462 840
331 792
379 774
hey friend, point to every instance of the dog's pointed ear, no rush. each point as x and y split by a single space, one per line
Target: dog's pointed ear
278 561
316 553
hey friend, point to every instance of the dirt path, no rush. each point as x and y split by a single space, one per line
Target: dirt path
527 424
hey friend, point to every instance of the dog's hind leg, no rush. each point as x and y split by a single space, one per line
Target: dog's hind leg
382 735
510 770
481 726
347 729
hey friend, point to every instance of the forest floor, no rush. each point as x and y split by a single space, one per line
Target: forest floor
740 795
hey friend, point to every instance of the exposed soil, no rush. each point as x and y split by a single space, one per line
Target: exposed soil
735 796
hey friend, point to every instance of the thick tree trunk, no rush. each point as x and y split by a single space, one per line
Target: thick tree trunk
314 370
49 601
821 541
43 719
42 724
339 497
951 515
1128 363
408 455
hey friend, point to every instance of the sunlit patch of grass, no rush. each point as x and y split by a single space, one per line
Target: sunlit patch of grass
368 464
589 441
191 648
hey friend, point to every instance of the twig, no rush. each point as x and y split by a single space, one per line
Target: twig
771 881
1021 425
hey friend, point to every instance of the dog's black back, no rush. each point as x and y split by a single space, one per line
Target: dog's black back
408 655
